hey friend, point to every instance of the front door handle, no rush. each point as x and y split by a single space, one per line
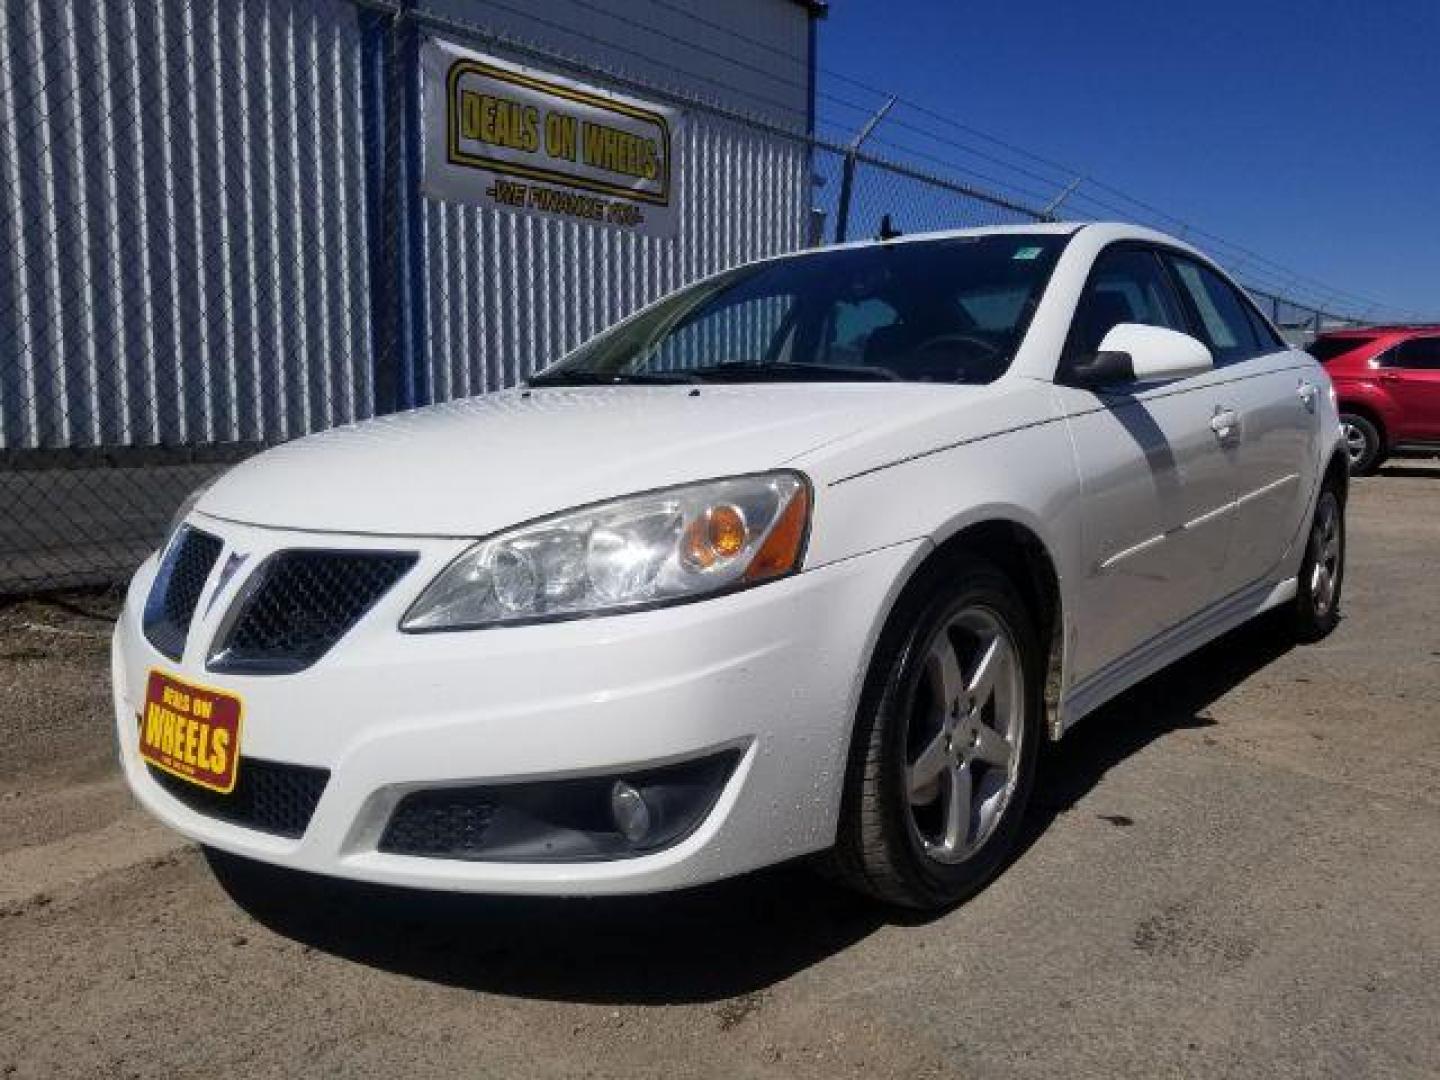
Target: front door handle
1226 424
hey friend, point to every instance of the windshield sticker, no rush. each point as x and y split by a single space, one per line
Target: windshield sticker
1026 253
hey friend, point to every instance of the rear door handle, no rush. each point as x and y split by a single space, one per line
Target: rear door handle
1389 376
1225 423
1306 391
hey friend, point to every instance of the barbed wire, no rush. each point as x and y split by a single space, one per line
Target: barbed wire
1058 176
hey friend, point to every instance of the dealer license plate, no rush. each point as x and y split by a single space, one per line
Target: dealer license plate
192 732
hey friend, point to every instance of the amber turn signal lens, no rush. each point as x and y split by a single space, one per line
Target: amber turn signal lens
719 533
726 528
781 551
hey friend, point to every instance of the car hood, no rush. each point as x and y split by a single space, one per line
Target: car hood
470 467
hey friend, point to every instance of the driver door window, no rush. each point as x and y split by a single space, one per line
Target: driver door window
1128 285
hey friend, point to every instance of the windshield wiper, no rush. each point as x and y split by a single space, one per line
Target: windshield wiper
581 377
784 371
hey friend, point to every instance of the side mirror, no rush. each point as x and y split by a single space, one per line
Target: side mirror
1133 352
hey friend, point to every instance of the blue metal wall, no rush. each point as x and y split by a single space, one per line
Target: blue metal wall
208 232
182 229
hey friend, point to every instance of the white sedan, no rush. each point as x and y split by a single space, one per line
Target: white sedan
808 557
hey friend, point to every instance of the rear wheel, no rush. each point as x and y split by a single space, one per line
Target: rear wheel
945 746
1317 600
1364 448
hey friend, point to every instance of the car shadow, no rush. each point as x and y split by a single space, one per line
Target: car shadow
707 944
1424 471
1175 699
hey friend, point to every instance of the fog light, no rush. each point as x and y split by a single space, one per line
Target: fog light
632 816
581 819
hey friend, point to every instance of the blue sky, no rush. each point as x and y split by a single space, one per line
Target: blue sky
1307 132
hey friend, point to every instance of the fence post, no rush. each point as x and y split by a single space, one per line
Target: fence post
1048 214
395 212
384 309
412 270
847 179
415 264
842 213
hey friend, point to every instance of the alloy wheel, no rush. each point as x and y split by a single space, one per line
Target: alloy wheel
1357 446
1326 543
963 740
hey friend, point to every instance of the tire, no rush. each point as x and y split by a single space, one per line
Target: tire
1364 445
1322 573
898 840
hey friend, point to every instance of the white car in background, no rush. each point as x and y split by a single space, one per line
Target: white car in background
807 557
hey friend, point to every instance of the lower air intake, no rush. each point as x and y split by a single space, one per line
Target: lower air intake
269 796
445 823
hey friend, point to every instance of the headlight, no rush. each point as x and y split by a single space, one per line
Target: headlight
667 547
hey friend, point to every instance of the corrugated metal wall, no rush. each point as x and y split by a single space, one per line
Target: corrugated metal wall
748 56
184 248
507 294
182 225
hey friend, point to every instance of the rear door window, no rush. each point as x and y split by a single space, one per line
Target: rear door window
1265 336
1223 316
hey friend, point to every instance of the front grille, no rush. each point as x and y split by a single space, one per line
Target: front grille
177 588
443 823
269 796
302 603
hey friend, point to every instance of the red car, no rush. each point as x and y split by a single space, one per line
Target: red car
1387 379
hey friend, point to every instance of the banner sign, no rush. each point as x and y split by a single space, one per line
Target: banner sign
501 135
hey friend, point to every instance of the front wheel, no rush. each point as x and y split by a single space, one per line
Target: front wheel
945 745
1364 448
1317 599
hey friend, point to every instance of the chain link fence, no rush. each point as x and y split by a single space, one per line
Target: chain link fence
212 241
187 259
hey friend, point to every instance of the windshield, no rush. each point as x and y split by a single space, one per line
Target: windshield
947 311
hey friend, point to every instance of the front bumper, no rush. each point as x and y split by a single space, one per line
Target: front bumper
773 673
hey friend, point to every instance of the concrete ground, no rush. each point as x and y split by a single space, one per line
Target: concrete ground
1233 871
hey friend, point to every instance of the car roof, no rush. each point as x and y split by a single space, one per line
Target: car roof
1108 232
1122 230
1032 228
